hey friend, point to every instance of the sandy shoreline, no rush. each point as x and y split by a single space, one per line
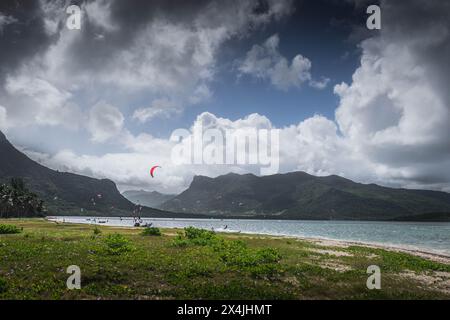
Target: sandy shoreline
434 256
417 252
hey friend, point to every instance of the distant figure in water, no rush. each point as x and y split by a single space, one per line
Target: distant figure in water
226 227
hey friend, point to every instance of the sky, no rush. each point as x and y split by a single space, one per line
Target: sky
370 105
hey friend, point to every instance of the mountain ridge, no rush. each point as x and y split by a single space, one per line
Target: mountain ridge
299 195
293 195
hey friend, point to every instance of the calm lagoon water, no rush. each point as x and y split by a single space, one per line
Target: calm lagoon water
426 236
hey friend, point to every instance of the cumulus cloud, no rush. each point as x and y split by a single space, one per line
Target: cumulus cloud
130 169
266 62
312 145
396 111
105 122
38 101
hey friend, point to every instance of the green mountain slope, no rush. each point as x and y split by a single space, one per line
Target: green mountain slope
298 195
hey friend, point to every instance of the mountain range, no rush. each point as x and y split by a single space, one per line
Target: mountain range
298 195
295 195
151 199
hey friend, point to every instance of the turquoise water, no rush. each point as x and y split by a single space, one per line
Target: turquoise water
425 236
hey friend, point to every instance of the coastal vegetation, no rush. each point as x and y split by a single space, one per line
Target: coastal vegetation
121 263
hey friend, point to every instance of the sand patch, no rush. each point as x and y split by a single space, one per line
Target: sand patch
437 280
332 252
331 243
336 266
436 257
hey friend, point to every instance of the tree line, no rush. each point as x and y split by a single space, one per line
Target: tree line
17 201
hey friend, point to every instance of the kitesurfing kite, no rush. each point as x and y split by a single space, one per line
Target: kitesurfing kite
152 170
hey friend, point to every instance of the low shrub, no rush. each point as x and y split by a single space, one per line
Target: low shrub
9 229
96 232
199 236
180 240
233 253
151 231
194 236
117 244
236 253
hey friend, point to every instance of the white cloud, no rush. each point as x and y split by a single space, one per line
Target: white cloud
40 102
312 145
105 122
131 169
319 84
396 112
266 62
162 108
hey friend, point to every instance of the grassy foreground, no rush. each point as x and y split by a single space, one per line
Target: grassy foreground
118 263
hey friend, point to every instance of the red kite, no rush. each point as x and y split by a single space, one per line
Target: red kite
152 170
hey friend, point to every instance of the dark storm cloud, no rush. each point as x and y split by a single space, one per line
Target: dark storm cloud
426 25
22 38
96 45
130 17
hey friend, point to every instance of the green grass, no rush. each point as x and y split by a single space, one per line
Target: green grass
120 263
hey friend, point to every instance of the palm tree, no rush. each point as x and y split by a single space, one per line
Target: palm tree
17 201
